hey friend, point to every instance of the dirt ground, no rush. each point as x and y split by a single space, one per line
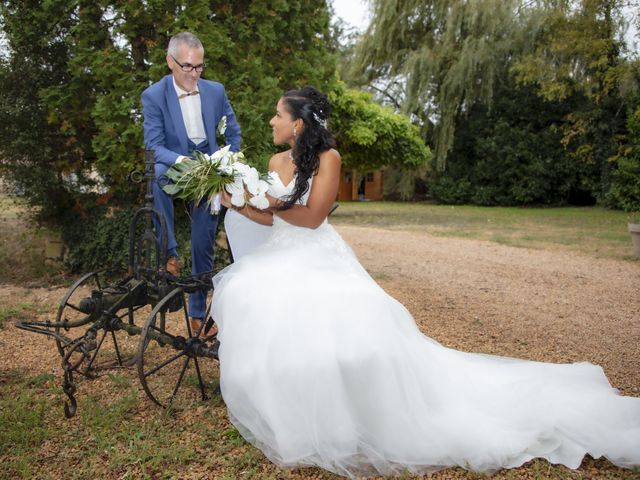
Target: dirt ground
535 304
467 294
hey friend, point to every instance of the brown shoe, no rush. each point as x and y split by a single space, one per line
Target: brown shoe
196 325
174 266
209 330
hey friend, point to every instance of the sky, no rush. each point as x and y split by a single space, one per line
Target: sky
356 13
353 12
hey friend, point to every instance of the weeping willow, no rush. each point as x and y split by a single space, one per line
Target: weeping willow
449 53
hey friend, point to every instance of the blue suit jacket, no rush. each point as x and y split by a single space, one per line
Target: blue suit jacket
164 129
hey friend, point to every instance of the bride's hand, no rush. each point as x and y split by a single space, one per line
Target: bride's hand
273 201
225 199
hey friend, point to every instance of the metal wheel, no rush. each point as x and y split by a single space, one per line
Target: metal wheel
77 314
173 360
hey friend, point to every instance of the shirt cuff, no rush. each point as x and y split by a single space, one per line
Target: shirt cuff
216 204
179 159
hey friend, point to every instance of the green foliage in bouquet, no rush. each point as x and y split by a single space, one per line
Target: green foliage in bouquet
207 175
193 180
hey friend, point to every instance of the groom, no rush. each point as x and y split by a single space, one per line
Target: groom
181 113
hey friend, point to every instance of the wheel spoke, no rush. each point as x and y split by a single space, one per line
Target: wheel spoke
200 381
71 305
186 316
95 354
184 369
130 311
164 364
162 331
164 375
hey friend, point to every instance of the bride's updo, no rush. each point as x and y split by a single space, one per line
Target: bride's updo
313 108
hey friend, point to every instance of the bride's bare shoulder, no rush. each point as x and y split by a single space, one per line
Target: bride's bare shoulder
330 158
277 160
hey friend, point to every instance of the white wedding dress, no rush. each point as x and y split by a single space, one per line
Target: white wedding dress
319 366
244 235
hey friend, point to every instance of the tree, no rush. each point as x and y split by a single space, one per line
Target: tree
509 155
625 188
87 61
371 136
448 54
442 60
577 57
31 145
70 117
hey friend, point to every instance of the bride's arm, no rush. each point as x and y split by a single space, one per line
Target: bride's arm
324 190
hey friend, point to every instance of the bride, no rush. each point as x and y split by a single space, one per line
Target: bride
319 366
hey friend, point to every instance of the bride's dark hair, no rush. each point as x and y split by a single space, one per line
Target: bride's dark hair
313 108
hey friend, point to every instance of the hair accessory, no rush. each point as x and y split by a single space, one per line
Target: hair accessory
323 123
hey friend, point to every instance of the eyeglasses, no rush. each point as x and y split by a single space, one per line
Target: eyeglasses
187 67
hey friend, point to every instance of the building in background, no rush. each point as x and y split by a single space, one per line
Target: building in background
356 185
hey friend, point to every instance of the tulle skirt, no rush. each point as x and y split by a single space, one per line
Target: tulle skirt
319 366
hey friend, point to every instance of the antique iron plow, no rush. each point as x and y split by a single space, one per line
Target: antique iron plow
169 356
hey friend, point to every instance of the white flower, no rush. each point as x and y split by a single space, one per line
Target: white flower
236 189
258 188
214 202
241 168
237 200
225 169
259 201
222 125
219 155
251 179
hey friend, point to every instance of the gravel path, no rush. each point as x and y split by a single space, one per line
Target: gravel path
536 304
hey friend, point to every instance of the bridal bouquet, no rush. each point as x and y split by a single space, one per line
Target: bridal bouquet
207 175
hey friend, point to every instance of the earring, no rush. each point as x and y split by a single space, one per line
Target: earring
294 131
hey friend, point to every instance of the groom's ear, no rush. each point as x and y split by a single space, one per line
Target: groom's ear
169 62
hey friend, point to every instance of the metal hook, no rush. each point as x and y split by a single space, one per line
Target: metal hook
70 411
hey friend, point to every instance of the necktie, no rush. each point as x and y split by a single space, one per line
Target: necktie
183 95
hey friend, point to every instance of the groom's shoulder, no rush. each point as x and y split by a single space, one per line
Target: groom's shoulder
211 85
156 88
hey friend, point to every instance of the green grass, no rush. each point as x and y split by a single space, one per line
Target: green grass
22 425
23 246
21 311
588 230
121 435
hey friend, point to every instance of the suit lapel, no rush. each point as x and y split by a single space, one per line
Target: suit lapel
209 115
176 114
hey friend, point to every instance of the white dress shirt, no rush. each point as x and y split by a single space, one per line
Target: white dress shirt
191 108
192 115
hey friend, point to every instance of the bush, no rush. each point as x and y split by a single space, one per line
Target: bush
511 155
99 240
625 185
